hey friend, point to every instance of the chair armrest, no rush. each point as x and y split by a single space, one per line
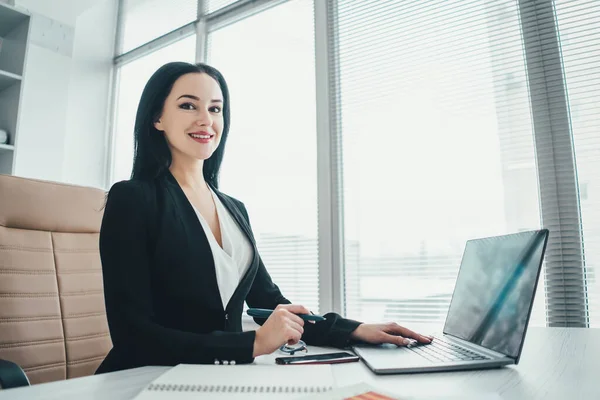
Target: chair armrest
11 375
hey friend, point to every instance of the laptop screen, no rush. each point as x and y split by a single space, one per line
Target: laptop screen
494 290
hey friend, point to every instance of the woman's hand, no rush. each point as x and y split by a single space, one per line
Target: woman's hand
283 326
388 333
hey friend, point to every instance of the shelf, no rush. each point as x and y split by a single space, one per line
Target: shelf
7 79
10 18
14 34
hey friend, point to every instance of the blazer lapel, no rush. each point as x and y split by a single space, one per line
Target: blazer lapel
248 277
202 251
237 215
190 221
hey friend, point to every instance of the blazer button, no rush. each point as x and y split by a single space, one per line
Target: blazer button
227 316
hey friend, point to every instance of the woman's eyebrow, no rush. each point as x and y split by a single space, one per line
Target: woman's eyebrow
189 96
198 99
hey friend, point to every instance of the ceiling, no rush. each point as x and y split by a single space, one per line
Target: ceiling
65 11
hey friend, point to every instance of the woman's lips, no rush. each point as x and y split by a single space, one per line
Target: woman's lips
201 137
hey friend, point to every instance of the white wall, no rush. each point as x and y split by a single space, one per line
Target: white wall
62 11
63 129
42 116
86 145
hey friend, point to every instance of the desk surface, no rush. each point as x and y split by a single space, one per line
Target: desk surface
557 363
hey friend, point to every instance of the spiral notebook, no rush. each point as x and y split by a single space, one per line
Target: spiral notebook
233 382
365 391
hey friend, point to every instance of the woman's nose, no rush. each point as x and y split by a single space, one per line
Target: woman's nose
204 118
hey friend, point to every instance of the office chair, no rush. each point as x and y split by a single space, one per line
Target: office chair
11 375
52 317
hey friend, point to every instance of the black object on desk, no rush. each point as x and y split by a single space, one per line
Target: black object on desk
327 358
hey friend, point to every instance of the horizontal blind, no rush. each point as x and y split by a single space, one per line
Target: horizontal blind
270 159
142 21
554 147
436 147
579 31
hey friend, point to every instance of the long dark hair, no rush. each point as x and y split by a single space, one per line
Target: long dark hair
152 155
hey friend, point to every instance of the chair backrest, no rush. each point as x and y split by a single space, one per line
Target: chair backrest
52 315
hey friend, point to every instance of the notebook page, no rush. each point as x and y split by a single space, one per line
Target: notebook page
365 391
187 381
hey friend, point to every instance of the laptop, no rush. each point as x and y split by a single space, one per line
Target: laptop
488 315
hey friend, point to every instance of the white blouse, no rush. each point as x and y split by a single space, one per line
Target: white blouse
231 261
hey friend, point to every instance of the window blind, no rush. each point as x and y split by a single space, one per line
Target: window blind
579 31
565 274
142 21
435 144
270 161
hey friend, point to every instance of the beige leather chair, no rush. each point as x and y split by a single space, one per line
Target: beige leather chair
52 316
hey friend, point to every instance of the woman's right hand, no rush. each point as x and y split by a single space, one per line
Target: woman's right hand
283 326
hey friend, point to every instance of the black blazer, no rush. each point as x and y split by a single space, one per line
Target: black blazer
161 294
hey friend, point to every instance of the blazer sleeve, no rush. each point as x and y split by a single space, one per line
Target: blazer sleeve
124 252
334 331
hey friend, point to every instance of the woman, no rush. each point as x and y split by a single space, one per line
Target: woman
178 256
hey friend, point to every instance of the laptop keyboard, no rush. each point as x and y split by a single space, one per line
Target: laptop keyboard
442 351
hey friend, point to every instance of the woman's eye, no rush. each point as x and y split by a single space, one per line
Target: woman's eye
215 109
187 106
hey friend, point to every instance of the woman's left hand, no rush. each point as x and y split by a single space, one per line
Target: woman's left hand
388 333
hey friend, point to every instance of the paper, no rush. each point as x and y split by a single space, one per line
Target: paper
364 391
239 382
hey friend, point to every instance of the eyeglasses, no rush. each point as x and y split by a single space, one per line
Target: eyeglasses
291 350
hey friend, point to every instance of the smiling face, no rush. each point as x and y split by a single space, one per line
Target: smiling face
192 118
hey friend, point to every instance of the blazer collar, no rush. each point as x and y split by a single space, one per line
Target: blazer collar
246 280
230 205
236 213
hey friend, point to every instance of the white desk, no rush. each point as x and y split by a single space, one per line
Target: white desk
557 363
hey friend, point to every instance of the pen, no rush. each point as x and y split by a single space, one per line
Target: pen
263 313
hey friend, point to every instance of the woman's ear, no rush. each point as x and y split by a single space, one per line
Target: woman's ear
158 126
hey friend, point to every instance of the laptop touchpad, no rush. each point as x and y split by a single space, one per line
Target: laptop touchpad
391 356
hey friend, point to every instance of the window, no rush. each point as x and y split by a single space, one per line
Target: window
578 23
145 20
271 157
132 79
438 148
433 109
215 5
